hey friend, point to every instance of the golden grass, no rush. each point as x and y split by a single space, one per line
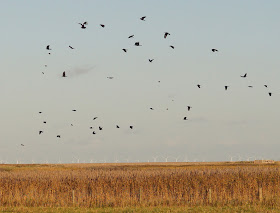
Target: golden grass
140 185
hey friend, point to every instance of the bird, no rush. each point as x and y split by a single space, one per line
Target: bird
40 112
243 76
22 144
158 81
189 108
102 25
265 85
71 124
45 122
71 47
100 128
151 60
63 74
40 132
74 110
90 127
270 93
125 50
48 47
46 65
137 44
143 18
131 36
185 118
117 126
110 77
131 127
58 136
226 87
172 46
166 34
83 25
214 50
43 73
95 118
93 133
250 86
151 108
198 85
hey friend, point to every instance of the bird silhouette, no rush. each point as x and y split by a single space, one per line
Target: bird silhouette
43 73
110 77
45 122
226 87
74 110
243 76
166 34
83 25
71 124
265 85
185 118
151 60
102 25
90 127
63 74
270 93
137 44
189 108
40 132
131 36
93 133
100 128
48 47
117 126
214 50
172 46
151 108
143 18
250 86
95 118
198 85
125 50
131 127
40 112
22 144
71 47
58 136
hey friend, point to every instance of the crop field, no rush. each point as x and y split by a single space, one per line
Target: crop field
140 185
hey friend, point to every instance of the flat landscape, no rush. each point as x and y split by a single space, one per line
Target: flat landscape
141 187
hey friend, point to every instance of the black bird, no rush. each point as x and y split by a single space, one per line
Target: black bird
189 108
151 60
74 110
102 25
83 25
46 65
110 77
131 127
63 74
117 126
48 47
95 118
243 76
22 144
166 34
131 36
100 128
172 46
265 85
90 127
71 124
40 132
226 87
214 50
45 122
158 81
71 47
58 136
250 86
270 93
43 73
125 50
93 133
185 118
198 85
137 44
143 18
40 112
151 108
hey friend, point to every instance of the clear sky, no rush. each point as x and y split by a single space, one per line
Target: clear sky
241 121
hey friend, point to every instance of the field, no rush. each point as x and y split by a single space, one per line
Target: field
139 187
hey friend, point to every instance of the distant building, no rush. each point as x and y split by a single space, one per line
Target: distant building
264 161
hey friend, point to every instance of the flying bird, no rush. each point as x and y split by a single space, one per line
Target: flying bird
74 110
102 25
270 93
48 47
43 73
131 36
58 136
63 74
90 127
151 108
45 122
137 44
131 127
243 76
40 132
250 86
185 118
265 85
71 47
93 133
40 112
125 50
151 60
95 118
198 85
117 126
143 18
226 87
166 34
22 144
100 128
172 46
110 77
214 50
83 25
189 108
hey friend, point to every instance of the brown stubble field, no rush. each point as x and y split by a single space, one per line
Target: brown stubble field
140 185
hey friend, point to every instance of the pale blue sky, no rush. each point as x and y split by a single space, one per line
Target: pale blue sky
242 120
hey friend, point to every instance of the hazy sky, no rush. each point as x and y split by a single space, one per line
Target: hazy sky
241 121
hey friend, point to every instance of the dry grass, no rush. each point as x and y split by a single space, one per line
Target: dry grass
140 185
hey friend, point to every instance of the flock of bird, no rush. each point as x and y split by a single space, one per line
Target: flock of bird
165 35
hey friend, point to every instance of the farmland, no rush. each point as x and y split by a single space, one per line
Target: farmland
141 185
